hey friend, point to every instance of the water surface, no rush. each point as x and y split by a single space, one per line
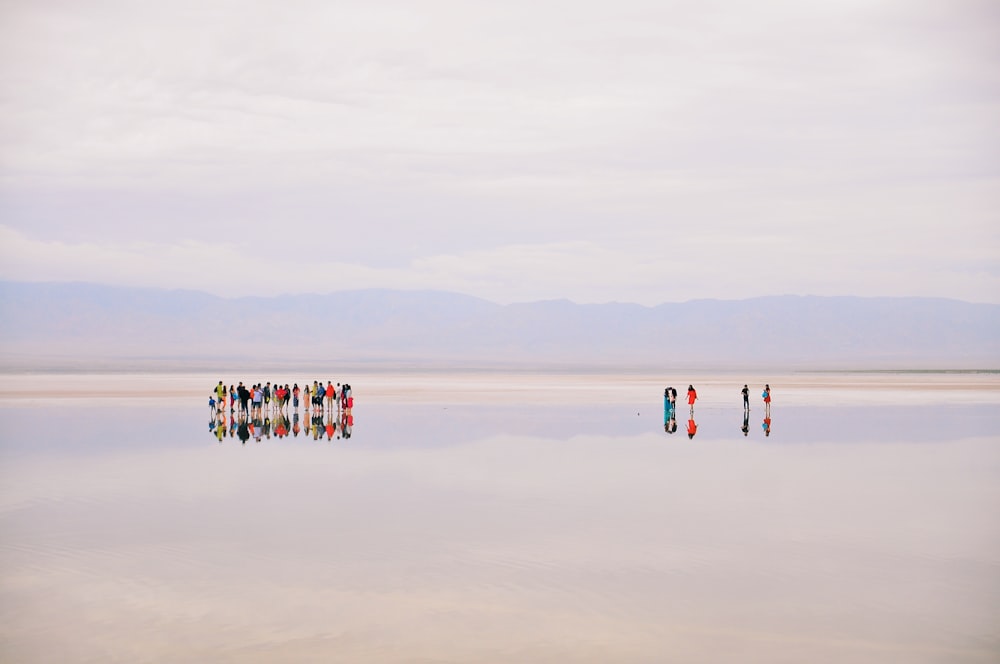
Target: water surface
492 518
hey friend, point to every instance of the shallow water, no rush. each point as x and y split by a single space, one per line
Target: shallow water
500 518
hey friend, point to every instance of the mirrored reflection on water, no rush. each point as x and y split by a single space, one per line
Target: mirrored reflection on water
499 532
317 425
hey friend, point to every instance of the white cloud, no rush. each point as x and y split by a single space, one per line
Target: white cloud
504 149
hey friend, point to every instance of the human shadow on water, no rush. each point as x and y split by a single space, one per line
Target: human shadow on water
321 425
746 423
669 419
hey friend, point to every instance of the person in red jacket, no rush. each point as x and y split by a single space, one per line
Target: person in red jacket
692 397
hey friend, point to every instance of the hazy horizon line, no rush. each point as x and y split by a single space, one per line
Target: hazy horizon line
209 293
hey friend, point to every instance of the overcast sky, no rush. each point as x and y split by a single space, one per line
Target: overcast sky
630 150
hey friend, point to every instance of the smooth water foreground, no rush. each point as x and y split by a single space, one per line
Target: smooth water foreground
504 518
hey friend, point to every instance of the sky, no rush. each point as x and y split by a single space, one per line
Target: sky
636 151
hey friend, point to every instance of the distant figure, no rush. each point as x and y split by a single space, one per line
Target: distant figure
211 405
220 395
244 394
767 399
692 427
746 422
669 422
692 397
746 398
295 396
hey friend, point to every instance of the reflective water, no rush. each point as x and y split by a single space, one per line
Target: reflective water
486 518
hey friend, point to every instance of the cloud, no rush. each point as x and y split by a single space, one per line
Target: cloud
690 268
443 143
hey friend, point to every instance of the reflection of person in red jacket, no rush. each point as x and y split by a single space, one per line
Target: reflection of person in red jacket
692 397
692 428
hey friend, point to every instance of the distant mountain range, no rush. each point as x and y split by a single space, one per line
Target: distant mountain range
46 323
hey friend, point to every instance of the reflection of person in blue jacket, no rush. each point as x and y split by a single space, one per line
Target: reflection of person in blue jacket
669 420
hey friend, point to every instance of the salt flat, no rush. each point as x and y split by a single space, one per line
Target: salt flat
490 517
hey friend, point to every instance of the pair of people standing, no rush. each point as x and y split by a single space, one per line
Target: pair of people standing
670 397
766 395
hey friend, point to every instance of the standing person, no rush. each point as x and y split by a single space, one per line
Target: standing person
267 394
767 400
220 396
244 395
692 397
232 400
746 398
306 396
330 393
295 395
258 399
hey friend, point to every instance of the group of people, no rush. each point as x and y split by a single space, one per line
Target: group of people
260 398
670 404
670 397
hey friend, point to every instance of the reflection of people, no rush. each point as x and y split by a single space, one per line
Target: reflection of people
692 397
346 424
692 427
767 399
669 418
746 398
766 425
746 423
243 431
